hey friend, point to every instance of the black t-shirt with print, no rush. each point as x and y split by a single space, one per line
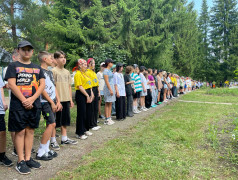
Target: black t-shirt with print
129 89
27 80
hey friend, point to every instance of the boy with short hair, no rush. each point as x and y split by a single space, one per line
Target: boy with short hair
63 80
48 100
3 107
26 81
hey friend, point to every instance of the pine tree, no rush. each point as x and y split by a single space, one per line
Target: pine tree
223 22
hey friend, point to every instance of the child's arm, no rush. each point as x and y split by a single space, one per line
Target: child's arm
52 103
29 101
71 99
15 90
3 100
58 104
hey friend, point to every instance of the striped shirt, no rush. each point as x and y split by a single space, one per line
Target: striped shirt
137 83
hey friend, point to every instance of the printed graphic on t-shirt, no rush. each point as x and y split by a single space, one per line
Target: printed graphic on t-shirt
26 80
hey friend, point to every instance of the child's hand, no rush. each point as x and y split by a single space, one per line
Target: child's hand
71 104
88 99
28 102
53 107
144 90
59 106
111 92
5 107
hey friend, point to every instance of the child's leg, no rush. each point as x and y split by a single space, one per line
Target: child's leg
19 142
28 140
109 109
13 138
64 130
3 140
99 106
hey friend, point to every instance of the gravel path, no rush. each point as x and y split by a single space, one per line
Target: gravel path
68 156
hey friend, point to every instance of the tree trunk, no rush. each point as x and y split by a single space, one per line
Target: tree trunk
14 33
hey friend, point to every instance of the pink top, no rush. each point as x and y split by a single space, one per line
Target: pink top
151 78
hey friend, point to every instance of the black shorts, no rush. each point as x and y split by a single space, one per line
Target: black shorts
47 113
2 123
63 117
136 95
19 120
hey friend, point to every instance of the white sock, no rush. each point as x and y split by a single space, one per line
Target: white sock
47 149
41 150
52 139
64 138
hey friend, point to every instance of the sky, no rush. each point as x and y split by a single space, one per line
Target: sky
198 4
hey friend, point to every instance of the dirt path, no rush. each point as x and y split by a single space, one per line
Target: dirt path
69 156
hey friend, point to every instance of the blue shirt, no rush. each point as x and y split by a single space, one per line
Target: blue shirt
119 81
110 75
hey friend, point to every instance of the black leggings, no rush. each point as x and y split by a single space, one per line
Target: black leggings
148 99
84 112
121 107
94 108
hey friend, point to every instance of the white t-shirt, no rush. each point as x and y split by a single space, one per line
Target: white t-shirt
101 80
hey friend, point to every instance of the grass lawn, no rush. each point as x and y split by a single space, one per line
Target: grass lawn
180 141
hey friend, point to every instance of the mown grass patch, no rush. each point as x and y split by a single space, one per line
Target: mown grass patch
173 143
223 91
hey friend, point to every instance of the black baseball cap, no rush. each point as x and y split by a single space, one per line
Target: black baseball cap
119 64
24 44
107 61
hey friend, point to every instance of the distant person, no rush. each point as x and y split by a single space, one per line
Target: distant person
101 86
3 137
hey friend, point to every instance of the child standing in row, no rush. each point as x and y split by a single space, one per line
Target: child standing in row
62 79
26 81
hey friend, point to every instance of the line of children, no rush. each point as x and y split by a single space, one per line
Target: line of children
36 89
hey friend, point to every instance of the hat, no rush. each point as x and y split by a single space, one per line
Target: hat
102 64
135 65
119 64
107 61
81 62
89 60
24 44
114 66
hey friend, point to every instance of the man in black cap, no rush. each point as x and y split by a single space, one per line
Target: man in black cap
26 81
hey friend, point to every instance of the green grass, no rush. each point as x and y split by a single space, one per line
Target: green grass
178 142
223 92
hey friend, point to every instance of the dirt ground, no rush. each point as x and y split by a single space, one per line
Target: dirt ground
69 155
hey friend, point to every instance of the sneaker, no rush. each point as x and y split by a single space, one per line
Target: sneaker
95 128
69 141
101 117
108 122
6 162
14 152
138 111
88 133
33 164
135 112
52 153
99 127
83 137
55 146
44 157
22 168
144 109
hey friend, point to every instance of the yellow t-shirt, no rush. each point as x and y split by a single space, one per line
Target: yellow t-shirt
81 79
90 73
172 79
175 82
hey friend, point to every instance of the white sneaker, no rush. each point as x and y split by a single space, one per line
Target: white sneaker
99 127
138 110
111 121
108 122
135 112
145 109
95 128
81 137
88 133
